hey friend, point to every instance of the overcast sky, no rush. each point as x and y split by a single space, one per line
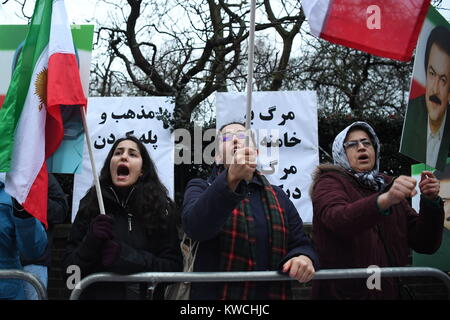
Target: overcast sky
79 11
83 11
92 11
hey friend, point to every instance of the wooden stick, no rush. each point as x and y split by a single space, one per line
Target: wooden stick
91 157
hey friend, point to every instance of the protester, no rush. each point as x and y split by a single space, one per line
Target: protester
243 223
138 232
20 235
57 209
363 218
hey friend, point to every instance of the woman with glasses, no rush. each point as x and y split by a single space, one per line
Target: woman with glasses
363 218
243 223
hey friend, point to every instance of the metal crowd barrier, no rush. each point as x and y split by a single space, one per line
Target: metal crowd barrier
155 277
26 276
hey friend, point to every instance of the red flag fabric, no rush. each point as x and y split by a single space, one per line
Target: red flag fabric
385 28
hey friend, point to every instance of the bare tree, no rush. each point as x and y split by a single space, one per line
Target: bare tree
192 59
191 49
348 80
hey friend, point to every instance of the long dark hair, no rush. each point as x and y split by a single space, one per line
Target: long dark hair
150 197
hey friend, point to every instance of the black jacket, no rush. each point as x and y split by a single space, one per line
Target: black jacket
139 251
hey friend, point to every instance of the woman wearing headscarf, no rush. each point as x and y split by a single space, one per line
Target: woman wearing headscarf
362 217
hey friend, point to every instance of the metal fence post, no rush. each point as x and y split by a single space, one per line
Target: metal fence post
26 276
253 276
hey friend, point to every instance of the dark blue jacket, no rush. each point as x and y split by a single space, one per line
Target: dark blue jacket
18 237
206 207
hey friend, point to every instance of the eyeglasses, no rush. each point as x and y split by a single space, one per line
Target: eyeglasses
227 136
355 143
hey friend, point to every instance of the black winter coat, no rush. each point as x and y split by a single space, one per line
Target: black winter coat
140 252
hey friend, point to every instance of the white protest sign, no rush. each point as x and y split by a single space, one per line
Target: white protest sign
111 118
288 120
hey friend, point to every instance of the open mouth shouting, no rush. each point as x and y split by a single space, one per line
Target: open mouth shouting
122 172
126 164
364 158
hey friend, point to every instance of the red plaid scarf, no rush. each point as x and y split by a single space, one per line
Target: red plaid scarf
238 245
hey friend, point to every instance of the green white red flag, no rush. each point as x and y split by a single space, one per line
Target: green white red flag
31 127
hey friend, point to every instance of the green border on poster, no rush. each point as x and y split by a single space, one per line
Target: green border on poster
441 258
82 36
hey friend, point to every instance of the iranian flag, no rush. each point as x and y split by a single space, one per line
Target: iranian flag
31 127
385 28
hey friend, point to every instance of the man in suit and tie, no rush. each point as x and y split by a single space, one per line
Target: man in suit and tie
426 132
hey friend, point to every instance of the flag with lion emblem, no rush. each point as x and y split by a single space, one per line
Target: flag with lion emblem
31 127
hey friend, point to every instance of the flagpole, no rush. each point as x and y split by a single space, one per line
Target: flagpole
251 53
91 157
251 50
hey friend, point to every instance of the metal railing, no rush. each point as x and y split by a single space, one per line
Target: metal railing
155 277
26 276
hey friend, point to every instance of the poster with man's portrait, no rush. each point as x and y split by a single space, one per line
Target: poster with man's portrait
441 258
426 129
